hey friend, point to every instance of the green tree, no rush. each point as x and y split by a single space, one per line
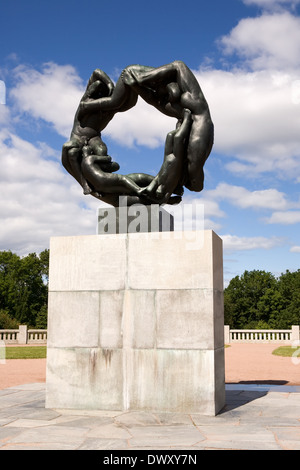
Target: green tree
271 306
6 322
242 298
258 300
23 285
9 268
41 318
289 288
44 262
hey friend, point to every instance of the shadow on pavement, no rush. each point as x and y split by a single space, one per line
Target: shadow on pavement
264 382
236 398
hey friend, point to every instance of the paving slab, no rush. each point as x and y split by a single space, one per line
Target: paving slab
255 417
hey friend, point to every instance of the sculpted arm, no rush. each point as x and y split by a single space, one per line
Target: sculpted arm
179 73
98 74
121 95
151 77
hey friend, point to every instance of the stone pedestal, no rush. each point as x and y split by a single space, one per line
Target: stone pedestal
134 219
136 323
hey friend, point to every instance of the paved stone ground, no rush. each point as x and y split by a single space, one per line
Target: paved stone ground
255 418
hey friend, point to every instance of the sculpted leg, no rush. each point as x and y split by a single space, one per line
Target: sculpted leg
199 148
108 183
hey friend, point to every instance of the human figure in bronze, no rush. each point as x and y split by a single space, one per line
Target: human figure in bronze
174 91
173 88
106 182
167 181
85 154
87 131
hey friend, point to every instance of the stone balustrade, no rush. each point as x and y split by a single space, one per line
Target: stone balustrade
291 336
23 335
9 336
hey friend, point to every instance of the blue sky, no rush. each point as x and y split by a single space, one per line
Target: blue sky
246 56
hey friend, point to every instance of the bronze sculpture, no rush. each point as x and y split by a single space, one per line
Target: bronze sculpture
174 91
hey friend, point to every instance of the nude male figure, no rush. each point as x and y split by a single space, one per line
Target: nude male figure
173 88
87 131
168 178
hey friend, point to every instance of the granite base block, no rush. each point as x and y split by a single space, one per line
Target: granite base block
136 323
134 219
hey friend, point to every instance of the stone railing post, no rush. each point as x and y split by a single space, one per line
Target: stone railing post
226 334
22 335
295 336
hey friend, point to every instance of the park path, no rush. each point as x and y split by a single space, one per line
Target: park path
255 363
22 371
252 363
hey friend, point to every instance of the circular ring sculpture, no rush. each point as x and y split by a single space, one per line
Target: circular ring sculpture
174 91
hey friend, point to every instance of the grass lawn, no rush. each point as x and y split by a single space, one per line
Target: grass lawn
285 351
26 352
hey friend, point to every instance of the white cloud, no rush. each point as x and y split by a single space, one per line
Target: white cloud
4 115
266 199
141 125
51 94
2 92
269 41
257 120
196 214
233 243
272 4
38 199
256 108
295 249
284 218
245 199
211 208
256 114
